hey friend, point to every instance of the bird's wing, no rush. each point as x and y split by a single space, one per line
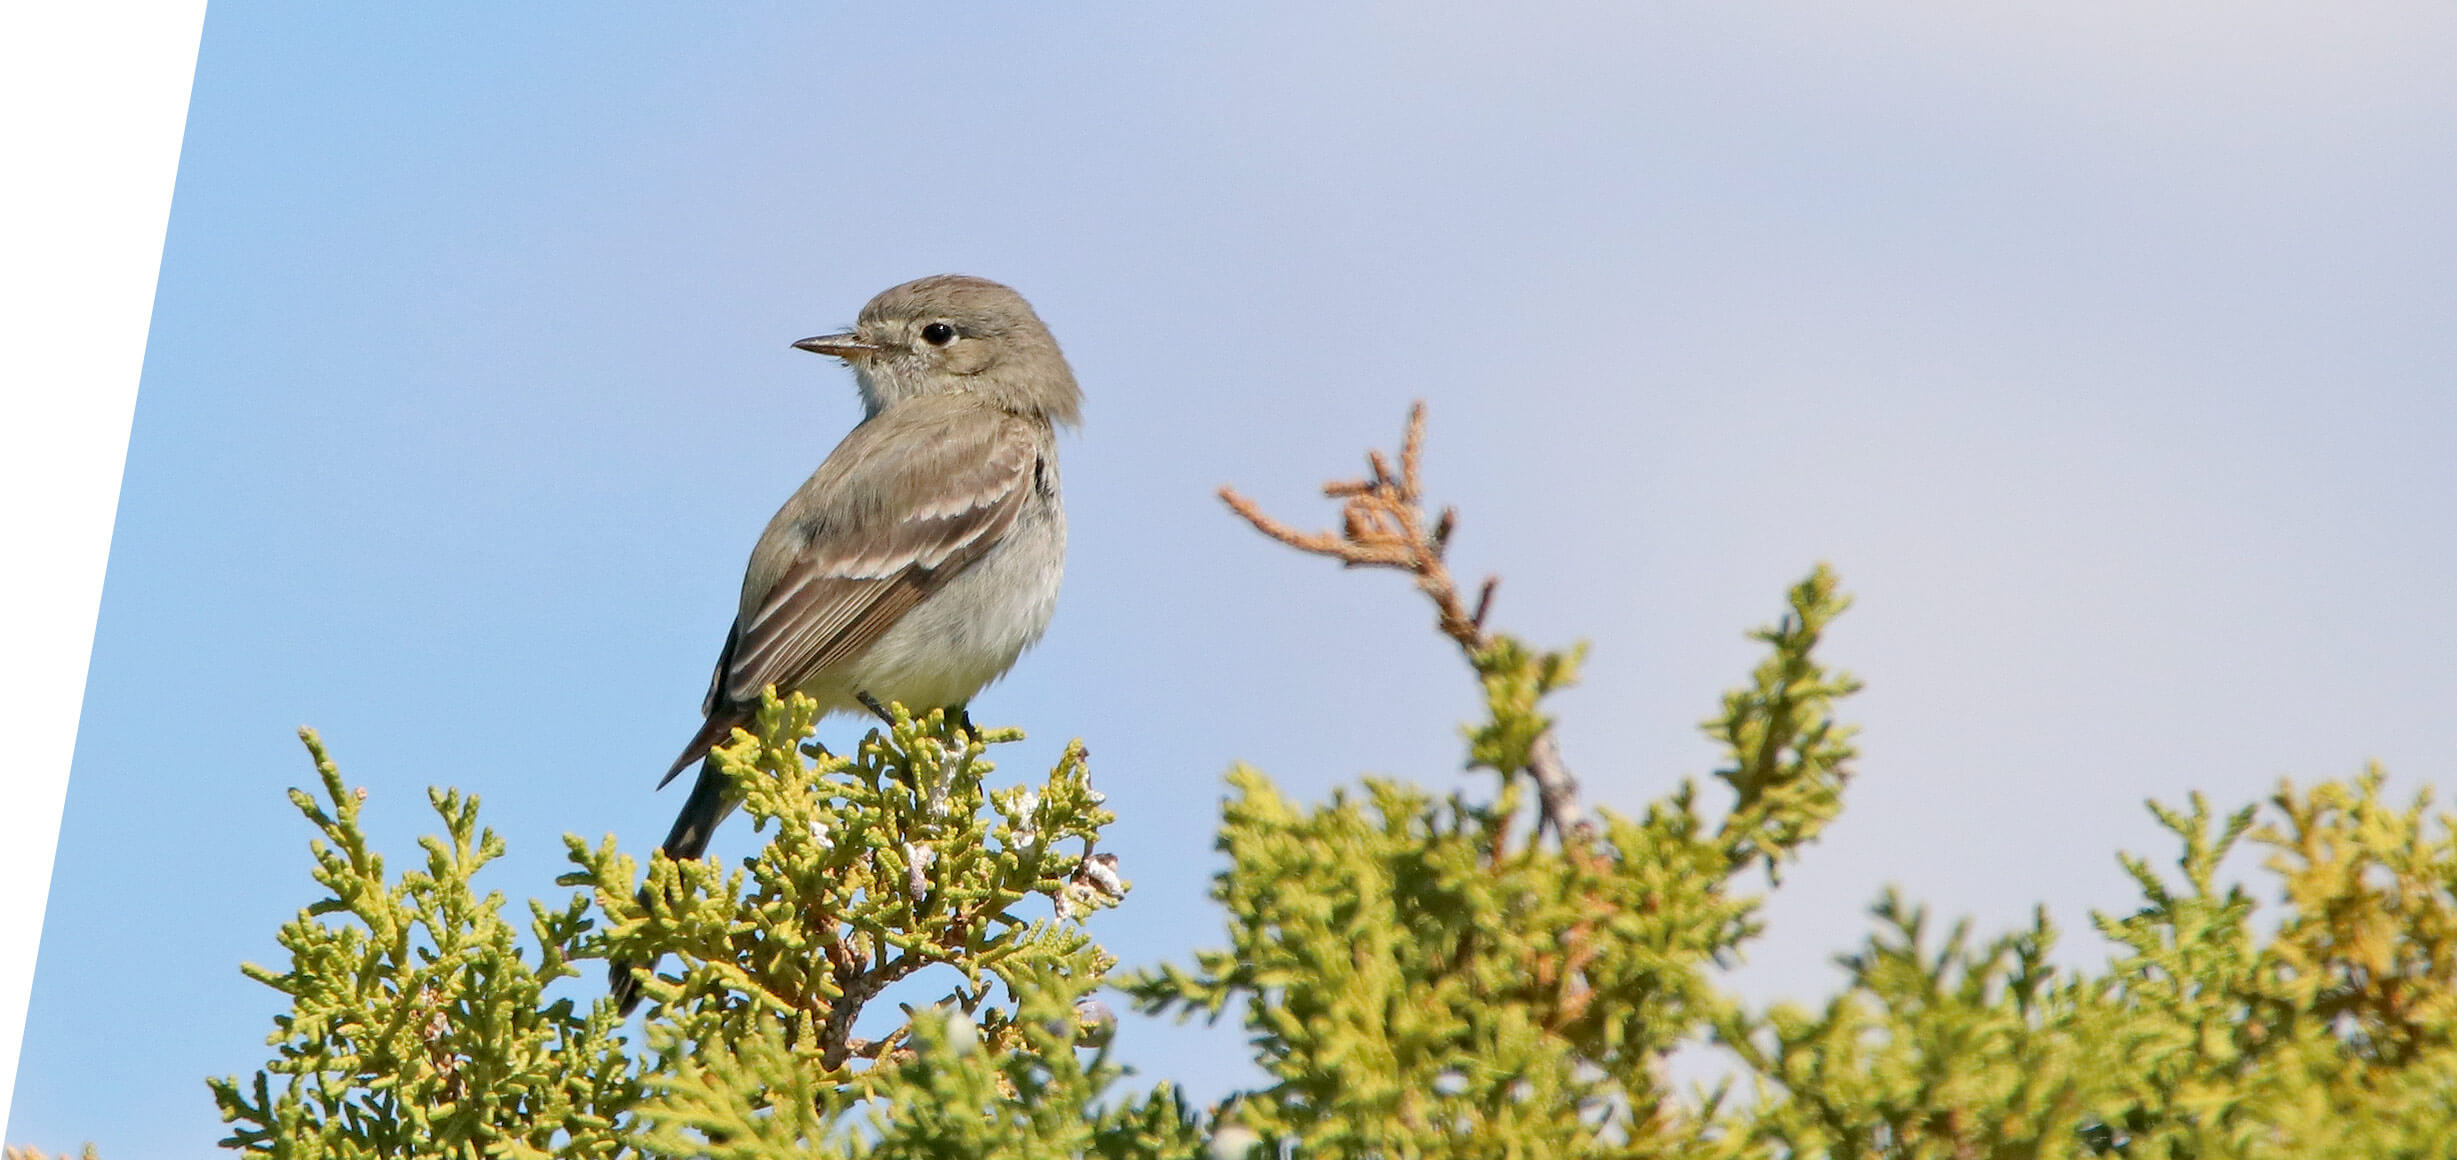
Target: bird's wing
904 512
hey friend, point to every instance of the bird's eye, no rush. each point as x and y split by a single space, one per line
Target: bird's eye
938 334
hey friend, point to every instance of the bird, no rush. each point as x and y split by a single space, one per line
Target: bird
923 557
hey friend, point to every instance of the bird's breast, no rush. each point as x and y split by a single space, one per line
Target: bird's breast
969 632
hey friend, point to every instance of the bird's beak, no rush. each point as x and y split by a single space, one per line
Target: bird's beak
844 346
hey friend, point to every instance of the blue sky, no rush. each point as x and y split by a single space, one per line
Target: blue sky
2104 352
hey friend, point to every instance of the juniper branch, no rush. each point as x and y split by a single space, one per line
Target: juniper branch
1383 525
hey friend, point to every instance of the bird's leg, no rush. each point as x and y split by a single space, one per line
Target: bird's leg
964 720
872 703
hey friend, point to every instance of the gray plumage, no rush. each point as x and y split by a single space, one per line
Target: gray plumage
923 556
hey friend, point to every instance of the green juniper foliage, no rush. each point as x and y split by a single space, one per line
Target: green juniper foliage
1421 978
420 1026
882 866
16 1153
2203 1037
1483 972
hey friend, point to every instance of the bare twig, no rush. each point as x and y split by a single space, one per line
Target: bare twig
1383 525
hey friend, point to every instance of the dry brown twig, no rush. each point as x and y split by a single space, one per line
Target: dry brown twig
1383 525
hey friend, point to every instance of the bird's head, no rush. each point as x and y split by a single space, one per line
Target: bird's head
952 334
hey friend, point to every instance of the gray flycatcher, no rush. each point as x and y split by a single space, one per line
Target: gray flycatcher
923 557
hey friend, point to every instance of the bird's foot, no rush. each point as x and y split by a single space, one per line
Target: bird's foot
872 703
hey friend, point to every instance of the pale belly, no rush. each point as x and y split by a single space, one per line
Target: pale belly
967 634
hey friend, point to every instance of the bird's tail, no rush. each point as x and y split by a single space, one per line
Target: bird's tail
708 804
716 730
